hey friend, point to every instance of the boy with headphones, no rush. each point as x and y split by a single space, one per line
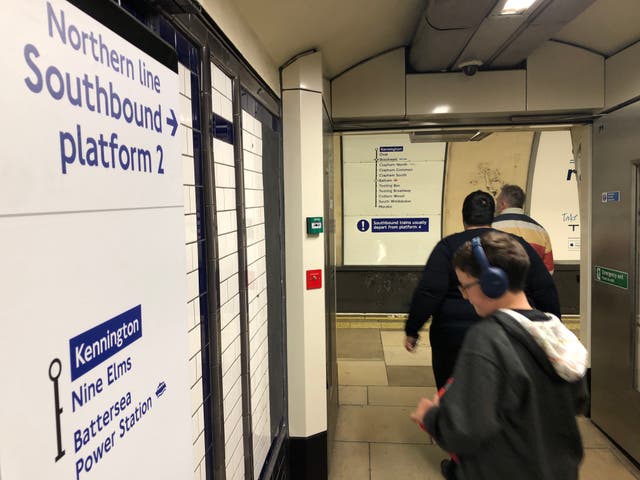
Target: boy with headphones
509 409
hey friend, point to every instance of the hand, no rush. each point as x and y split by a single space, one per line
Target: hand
421 410
410 343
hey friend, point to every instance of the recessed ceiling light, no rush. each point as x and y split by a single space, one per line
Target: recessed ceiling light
516 7
441 109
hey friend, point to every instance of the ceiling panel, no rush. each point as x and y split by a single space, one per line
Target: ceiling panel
561 11
433 50
346 32
549 19
458 14
444 32
525 44
605 27
493 32
349 32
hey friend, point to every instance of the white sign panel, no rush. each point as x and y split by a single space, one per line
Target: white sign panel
85 109
93 338
554 200
392 199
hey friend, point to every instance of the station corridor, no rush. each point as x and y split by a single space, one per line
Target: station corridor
380 384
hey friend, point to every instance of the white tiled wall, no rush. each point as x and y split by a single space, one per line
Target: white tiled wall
221 93
226 217
257 285
193 289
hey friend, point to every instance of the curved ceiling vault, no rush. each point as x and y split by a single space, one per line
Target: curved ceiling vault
438 34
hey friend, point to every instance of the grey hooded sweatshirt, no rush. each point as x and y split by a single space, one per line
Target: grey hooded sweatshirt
509 410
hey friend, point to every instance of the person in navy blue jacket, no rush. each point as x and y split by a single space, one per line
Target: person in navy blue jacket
437 295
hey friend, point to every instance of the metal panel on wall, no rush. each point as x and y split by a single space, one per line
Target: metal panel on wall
257 289
228 278
193 243
615 403
263 222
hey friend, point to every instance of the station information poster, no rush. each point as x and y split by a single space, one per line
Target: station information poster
558 212
93 342
392 192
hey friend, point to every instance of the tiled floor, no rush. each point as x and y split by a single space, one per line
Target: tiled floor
380 384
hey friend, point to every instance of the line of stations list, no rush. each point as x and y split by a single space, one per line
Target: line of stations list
392 182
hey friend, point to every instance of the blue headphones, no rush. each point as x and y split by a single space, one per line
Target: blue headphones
493 280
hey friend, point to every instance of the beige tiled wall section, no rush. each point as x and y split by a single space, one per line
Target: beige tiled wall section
257 284
193 288
502 157
226 217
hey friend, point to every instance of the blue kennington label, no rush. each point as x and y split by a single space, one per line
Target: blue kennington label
91 348
610 197
392 149
381 225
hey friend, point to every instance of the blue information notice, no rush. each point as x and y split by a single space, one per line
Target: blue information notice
610 197
91 348
380 225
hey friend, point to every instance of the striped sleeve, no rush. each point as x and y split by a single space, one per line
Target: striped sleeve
531 231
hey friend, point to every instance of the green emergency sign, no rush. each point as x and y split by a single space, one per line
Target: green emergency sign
612 277
314 225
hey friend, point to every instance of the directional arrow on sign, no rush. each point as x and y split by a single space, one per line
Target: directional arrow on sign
172 122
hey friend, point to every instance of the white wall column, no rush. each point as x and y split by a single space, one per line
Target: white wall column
303 196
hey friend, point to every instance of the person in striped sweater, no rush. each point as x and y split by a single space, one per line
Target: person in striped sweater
511 218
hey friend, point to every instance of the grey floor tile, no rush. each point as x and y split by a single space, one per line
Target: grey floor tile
398 356
624 460
602 464
399 396
397 338
411 376
359 343
378 424
393 339
352 395
349 461
592 437
376 440
406 462
362 372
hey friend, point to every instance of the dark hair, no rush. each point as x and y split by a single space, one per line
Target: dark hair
513 196
503 251
478 209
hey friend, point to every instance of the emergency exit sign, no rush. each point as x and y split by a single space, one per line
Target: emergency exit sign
314 225
612 277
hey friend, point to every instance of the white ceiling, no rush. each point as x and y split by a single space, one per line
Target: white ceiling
606 27
345 31
350 31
